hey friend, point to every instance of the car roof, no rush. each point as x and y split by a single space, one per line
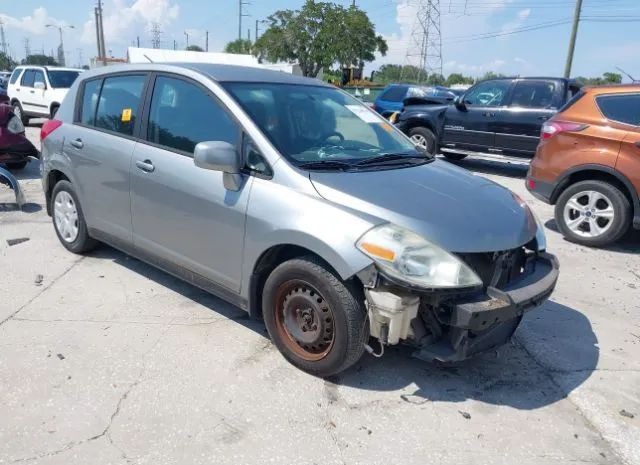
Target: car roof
216 72
48 68
612 89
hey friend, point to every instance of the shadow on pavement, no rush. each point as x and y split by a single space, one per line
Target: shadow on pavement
560 338
500 168
628 244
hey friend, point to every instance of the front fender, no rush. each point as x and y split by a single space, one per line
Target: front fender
7 178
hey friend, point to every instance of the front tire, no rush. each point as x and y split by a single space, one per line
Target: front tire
316 320
593 213
19 112
424 139
68 219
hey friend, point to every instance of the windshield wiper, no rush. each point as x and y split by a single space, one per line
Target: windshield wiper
325 165
388 157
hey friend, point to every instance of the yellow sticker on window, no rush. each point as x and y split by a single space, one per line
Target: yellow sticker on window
126 115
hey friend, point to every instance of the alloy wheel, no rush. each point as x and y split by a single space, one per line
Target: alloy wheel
589 214
419 141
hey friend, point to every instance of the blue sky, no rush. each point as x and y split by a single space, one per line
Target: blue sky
607 38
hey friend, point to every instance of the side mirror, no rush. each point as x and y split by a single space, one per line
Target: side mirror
39 85
220 156
459 102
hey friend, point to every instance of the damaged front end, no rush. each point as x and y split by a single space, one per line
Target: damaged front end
10 180
450 325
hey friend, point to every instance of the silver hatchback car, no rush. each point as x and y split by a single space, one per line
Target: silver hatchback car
294 201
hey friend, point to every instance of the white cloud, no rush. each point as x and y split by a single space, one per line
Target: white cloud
122 18
473 69
518 21
34 23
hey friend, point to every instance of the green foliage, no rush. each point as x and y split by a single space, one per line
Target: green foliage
41 60
410 74
318 36
239 46
457 78
194 48
6 62
491 75
607 78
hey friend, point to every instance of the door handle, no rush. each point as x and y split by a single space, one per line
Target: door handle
77 143
145 166
32 91
543 118
488 114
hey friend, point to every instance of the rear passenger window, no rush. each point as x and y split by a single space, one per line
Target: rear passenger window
90 101
533 94
394 94
38 76
15 76
118 103
183 115
621 108
28 77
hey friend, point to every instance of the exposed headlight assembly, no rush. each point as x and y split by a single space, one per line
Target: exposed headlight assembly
410 258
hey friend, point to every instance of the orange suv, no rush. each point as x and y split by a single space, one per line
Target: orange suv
588 164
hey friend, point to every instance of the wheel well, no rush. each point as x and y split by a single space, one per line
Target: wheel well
268 262
52 179
418 123
593 175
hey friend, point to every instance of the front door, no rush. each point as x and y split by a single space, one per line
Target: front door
101 145
518 126
183 215
471 125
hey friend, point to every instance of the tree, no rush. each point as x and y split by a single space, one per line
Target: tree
607 78
613 78
42 60
457 78
239 46
318 36
6 62
436 80
194 48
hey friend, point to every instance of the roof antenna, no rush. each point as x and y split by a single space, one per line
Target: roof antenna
627 74
145 55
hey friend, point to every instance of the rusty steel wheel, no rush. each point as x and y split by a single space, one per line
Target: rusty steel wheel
304 320
317 321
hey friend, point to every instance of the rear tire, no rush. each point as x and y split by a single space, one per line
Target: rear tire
70 210
423 137
304 293
19 112
586 207
454 156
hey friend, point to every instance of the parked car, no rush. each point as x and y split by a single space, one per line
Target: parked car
37 91
15 148
4 98
588 165
294 201
392 98
494 117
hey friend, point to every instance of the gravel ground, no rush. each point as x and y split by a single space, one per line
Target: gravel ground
105 360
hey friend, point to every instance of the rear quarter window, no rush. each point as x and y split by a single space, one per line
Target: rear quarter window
622 108
15 75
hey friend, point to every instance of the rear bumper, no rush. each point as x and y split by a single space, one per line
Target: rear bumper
17 151
541 190
487 321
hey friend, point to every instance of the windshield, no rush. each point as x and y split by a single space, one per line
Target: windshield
62 79
319 124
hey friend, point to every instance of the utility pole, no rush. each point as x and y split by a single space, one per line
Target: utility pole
27 47
256 36
61 56
187 34
426 41
102 52
80 60
241 14
572 40
249 35
138 41
206 41
175 44
3 42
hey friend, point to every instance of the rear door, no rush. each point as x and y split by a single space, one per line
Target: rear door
472 126
25 90
100 145
624 111
37 96
182 214
531 103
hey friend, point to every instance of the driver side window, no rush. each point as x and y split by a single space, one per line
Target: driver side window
488 93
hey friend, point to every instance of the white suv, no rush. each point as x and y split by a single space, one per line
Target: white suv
37 91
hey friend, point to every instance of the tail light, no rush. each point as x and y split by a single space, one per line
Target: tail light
553 128
48 127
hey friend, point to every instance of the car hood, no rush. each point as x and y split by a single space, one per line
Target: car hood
446 204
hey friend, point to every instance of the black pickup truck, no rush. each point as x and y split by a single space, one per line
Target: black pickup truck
494 117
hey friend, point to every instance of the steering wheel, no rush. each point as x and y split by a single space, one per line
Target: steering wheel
333 134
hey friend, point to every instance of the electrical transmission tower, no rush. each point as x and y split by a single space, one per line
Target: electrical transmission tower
3 42
155 35
425 44
27 47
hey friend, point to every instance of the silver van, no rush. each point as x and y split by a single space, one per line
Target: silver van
294 201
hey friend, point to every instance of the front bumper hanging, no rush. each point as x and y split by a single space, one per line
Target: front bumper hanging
7 178
486 321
